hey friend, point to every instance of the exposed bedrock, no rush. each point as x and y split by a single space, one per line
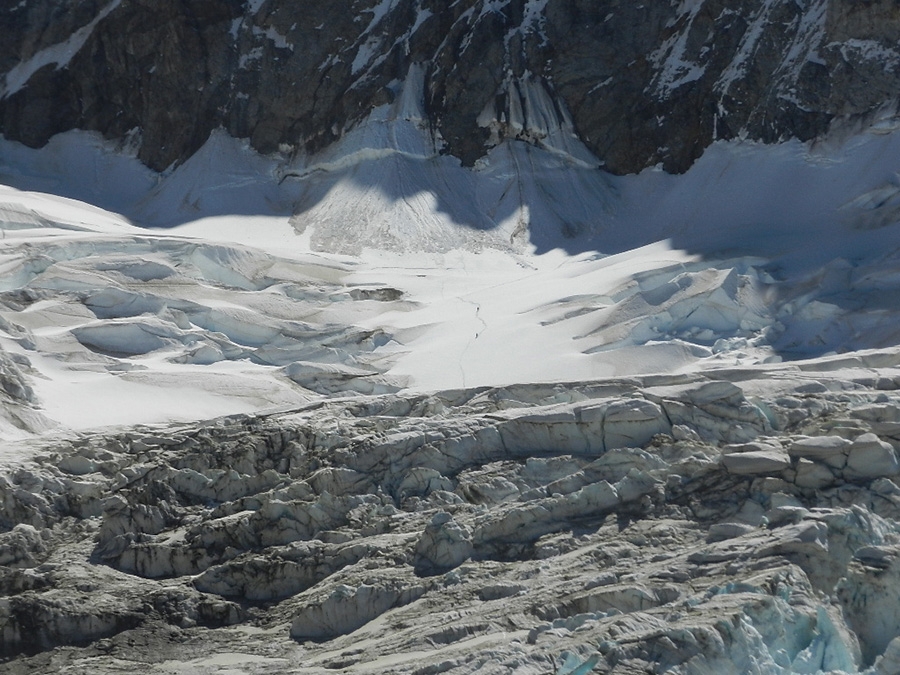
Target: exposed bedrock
640 84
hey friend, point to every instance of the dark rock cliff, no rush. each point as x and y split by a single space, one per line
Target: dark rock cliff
643 82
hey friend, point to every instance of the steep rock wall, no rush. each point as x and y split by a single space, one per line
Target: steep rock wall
642 83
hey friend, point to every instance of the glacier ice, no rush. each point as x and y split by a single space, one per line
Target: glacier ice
336 418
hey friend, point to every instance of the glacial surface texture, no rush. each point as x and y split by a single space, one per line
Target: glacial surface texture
735 522
532 337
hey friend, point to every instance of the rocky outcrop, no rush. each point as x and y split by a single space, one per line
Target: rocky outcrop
640 84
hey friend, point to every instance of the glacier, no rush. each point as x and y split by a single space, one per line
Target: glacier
369 410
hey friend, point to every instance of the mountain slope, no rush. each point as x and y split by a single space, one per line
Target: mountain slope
640 84
486 336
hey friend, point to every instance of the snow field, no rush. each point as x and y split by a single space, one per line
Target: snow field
382 264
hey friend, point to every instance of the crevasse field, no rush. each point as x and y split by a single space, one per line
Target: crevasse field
383 265
530 417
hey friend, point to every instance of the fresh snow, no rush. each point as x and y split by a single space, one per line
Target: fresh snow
253 6
369 42
871 50
807 40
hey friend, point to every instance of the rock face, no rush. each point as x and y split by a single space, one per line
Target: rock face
645 525
640 83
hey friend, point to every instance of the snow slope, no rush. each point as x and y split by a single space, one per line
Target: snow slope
524 414
382 264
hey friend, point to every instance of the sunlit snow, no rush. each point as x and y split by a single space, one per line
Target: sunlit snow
383 265
385 356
